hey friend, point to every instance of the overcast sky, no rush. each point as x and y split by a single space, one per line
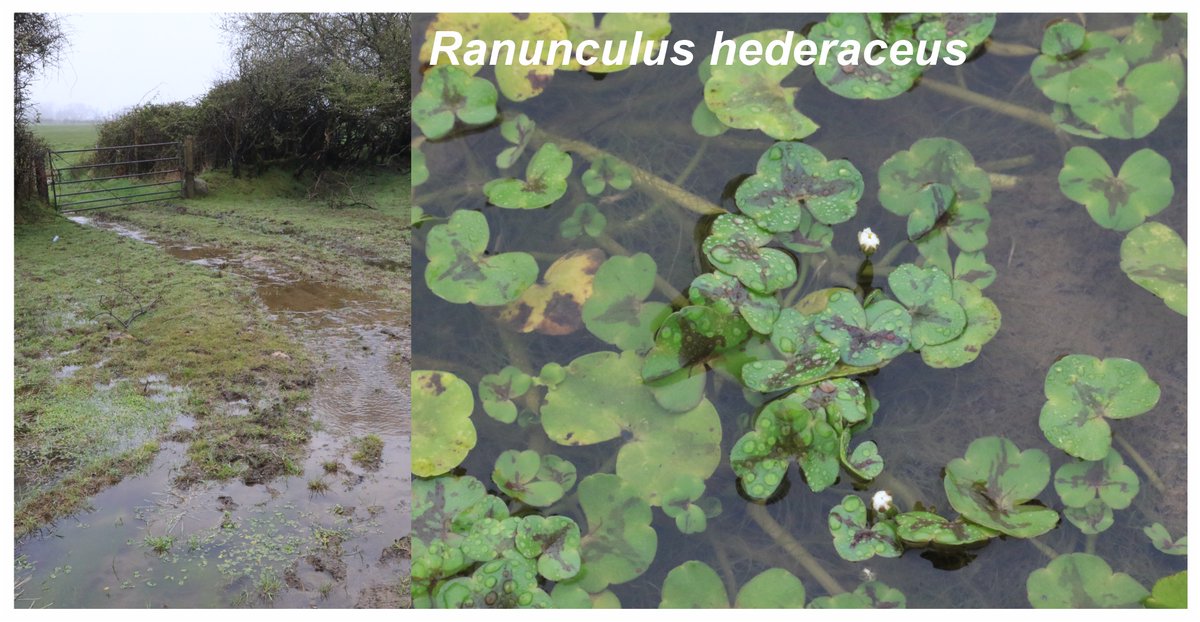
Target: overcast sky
114 61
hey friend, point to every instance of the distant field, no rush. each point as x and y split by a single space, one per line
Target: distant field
67 135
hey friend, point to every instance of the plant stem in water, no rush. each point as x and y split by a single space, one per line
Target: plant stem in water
1015 111
1044 548
794 548
643 178
1137 458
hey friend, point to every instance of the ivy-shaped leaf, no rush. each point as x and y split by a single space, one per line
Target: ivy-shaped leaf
1169 592
920 528
532 478
1082 391
684 504
449 93
862 80
607 171
443 434
553 541
792 178
929 296
869 595
855 538
750 97
801 355
689 337
603 398
727 295
1155 257
983 322
1080 580
459 272
865 337
1128 107
497 391
993 484
545 181
784 431
1161 538
620 543
507 583
518 131
617 312
1123 201
1067 49
735 247
585 220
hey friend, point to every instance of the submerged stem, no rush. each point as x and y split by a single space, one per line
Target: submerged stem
1044 548
1000 48
1137 458
643 178
794 548
1015 111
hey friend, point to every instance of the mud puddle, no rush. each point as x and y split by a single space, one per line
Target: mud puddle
325 538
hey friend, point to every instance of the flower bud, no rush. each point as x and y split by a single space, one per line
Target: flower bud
868 241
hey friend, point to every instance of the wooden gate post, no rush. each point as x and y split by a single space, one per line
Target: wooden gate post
189 167
39 167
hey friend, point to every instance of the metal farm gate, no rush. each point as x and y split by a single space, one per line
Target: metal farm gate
102 177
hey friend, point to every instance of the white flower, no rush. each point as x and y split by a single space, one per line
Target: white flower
868 241
882 501
868 574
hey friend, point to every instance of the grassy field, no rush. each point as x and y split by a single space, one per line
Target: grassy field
94 395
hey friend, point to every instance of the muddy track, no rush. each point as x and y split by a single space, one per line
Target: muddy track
332 536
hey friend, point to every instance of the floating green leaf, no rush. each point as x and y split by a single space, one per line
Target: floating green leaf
792 178
517 81
750 97
1169 592
864 462
620 29
553 541
863 80
784 431
1091 518
603 398
532 478
983 322
1081 391
585 220
1109 481
973 268
802 356
1155 257
496 392
1163 542
735 247
706 123
443 434
689 337
868 336
727 295
420 173
545 181
1141 189
1155 36
459 272
617 312
683 503
695 585
810 236
1080 580
992 485
449 93
607 171
571 596
1067 50
869 595
855 538
1128 107
922 528
438 502
518 131
505 583
620 543
929 296
905 175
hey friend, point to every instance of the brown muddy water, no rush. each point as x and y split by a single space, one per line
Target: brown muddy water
277 544
1059 287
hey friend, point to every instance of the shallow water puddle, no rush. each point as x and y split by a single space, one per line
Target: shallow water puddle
324 538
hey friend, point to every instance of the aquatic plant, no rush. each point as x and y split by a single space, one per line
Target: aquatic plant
449 95
1155 257
1079 580
778 320
1164 542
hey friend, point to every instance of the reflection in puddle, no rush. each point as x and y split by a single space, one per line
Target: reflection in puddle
323 538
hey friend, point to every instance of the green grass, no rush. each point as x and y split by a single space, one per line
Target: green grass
206 335
159 544
368 451
68 135
273 217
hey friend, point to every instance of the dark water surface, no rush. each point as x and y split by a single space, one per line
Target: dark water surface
1059 287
